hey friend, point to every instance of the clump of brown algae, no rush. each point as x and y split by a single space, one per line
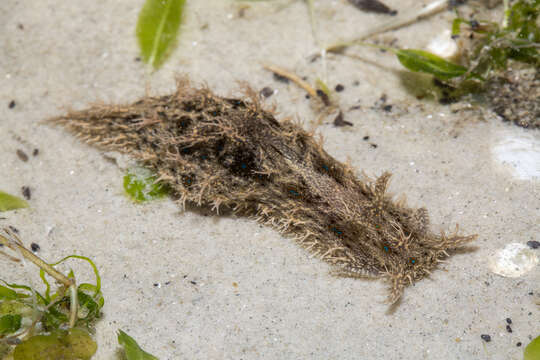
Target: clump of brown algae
232 153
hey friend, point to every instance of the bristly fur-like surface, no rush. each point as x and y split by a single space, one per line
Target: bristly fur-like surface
229 152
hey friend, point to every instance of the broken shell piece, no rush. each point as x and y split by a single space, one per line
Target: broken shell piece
444 46
514 260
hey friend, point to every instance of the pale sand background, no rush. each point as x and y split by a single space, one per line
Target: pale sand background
286 305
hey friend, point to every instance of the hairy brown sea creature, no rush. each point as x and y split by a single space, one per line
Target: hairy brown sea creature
233 153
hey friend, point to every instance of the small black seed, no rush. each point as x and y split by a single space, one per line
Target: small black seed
340 87
22 155
508 328
193 282
280 78
486 337
365 138
35 152
387 108
12 104
266 92
508 321
20 26
533 244
35 247
373 145
156 284
307 96
518 344
167 282
27 193
137 59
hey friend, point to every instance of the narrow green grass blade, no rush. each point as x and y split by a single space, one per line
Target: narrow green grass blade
10 202
132 350
157 28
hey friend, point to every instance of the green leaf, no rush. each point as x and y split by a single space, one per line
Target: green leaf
140 184
532 351
10 323
132 349
157 28
423 61
10 202
67 345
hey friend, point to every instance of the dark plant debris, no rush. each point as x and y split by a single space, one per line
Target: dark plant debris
533 244
374 6
340 121
485 337
231 153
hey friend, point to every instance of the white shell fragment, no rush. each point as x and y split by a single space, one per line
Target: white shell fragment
443 45
518 152
514 260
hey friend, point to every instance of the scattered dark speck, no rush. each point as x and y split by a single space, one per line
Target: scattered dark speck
156 284
533 244
374 145
27 193
22 155
12 104
531 293
486 337
20 26
35 247
474 24
340 88
508 328
339 121
307 96
387 108
266 92
137 59
193 282
280 78
356 83
167 282
14 229
518 344
508 321
35 152
365 138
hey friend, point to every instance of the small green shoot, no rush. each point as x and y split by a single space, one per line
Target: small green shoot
132 350
532 351
140 184
10 202
25 313
157 29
